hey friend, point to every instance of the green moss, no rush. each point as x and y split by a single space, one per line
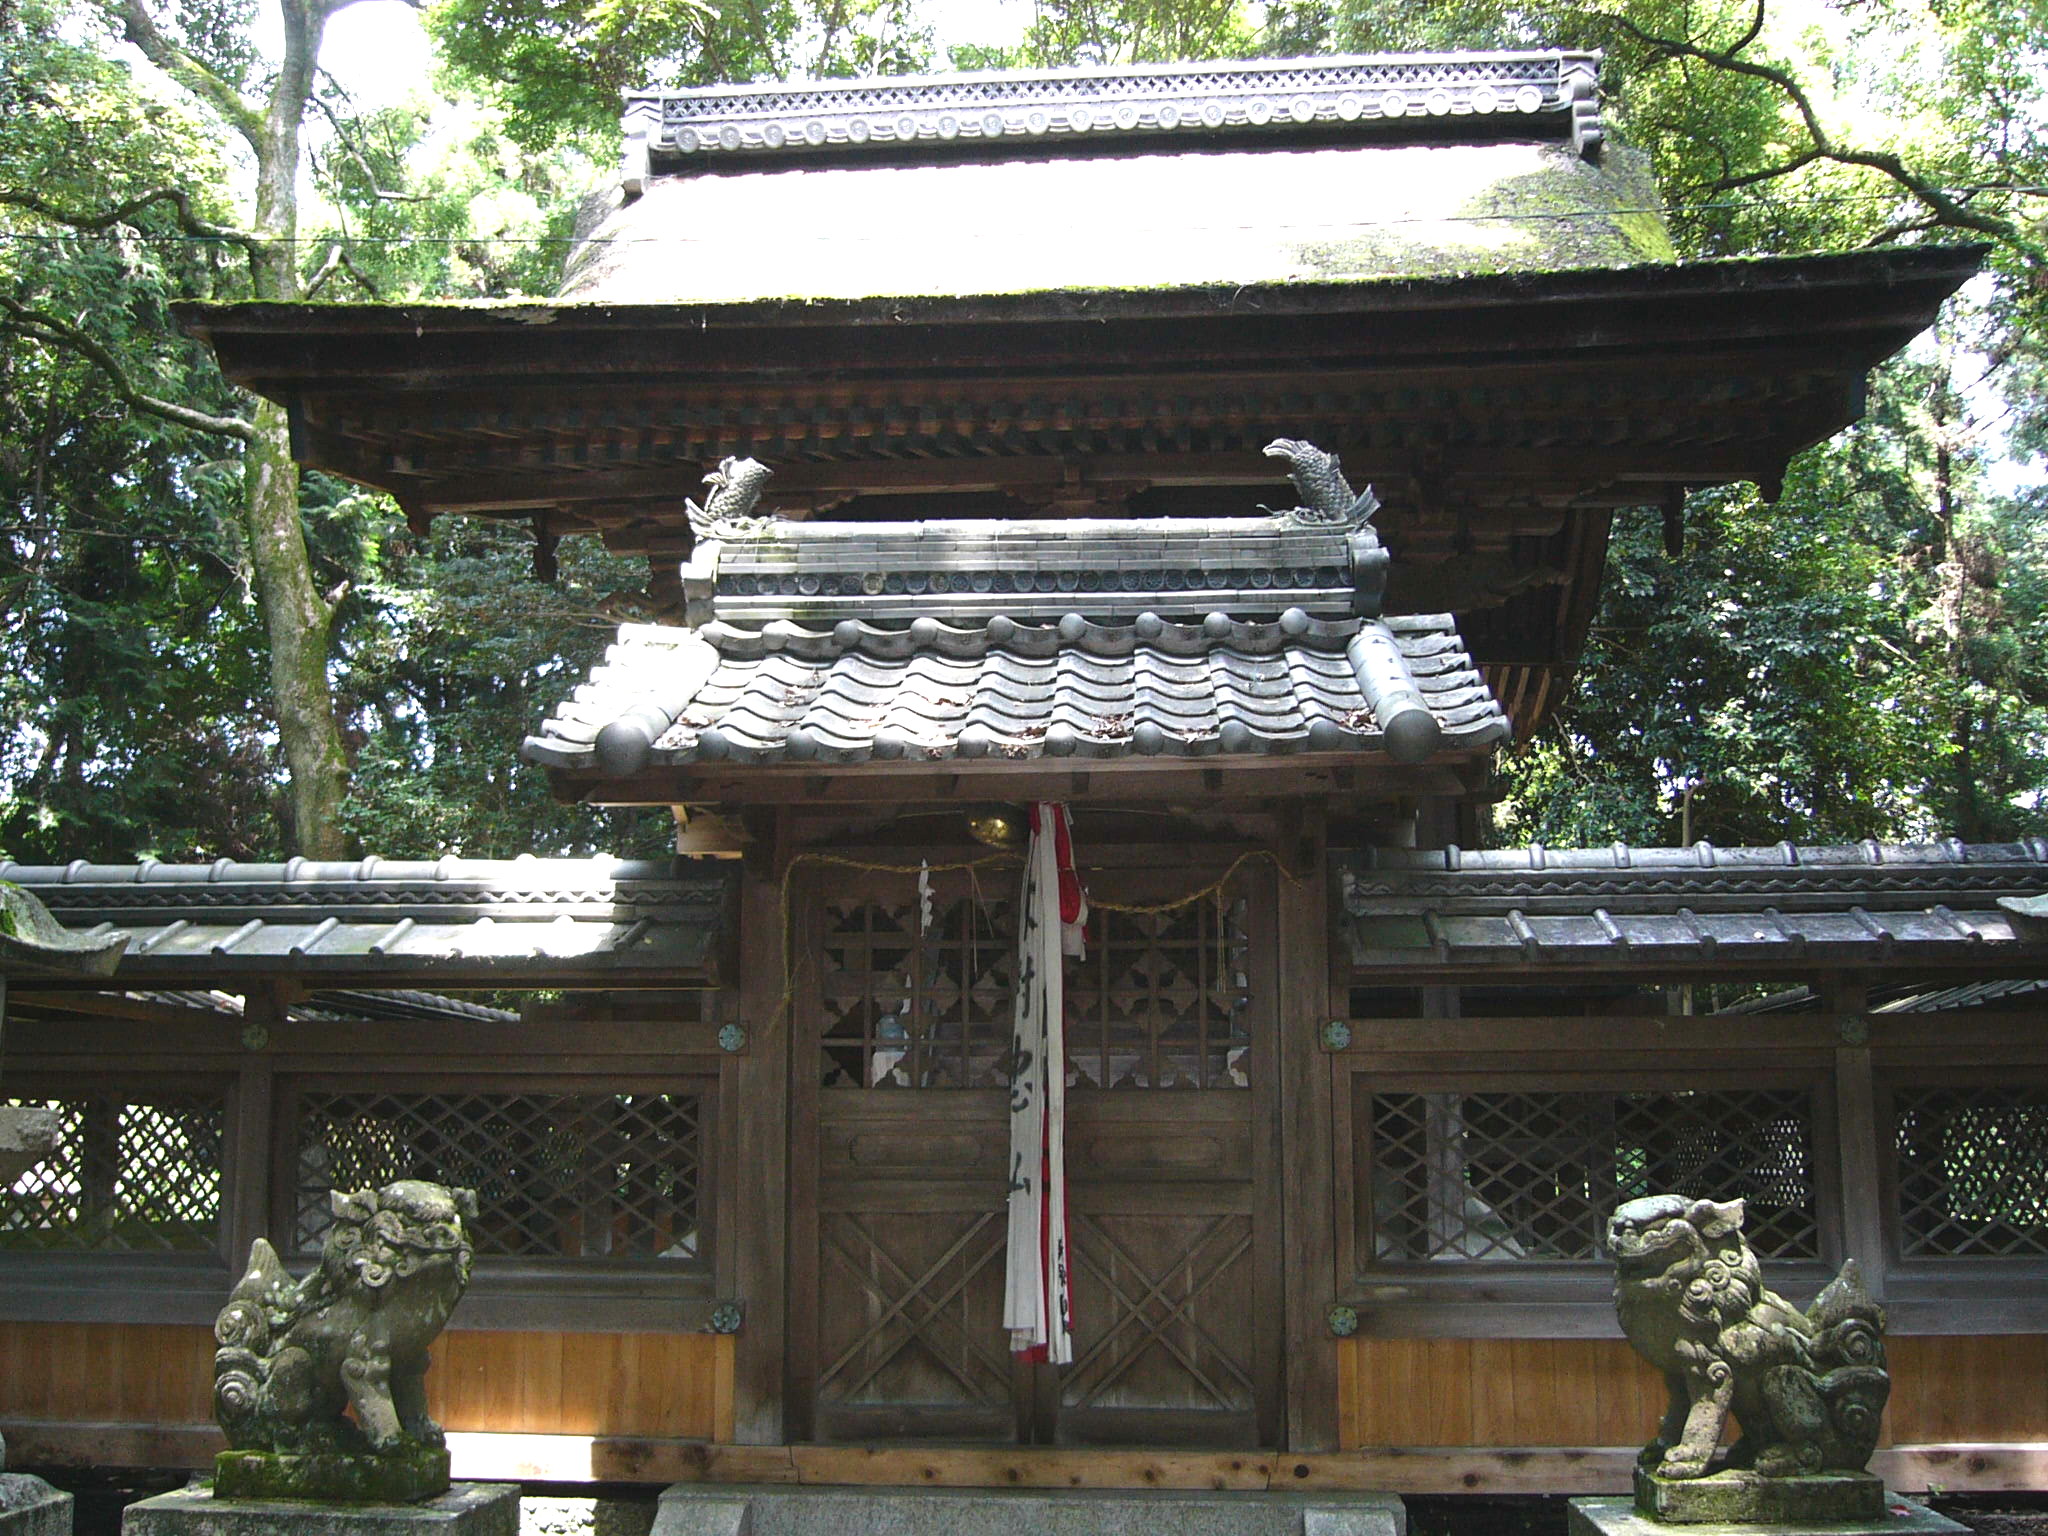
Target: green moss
405 1476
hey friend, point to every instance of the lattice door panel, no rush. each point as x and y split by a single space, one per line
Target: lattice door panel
1507 1177
910 1317
1162 1000
131 1173
1162 1308
910 1003
588 1175
1972 1171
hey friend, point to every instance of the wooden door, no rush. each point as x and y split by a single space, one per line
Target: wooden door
901 1115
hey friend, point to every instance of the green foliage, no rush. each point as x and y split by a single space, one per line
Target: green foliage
1863 658
464 655
129 663
1852 662
558 70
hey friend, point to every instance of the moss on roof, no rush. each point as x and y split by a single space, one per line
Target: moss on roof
1122 223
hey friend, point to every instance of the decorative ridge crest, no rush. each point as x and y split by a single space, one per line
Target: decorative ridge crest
1546 94
1877 875
1322 557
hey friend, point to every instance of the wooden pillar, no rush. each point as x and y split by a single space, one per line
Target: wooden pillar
1308 1203
754 1112
252 1148
1856 1123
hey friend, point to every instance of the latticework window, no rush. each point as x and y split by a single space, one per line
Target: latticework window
556 1175
1972 1171
1533 1176
1162 1000
910 1004
131 1173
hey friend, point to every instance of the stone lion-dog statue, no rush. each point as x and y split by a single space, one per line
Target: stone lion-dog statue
1807 1388
353 1334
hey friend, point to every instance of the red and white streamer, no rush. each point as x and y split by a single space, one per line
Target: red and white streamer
1037 1302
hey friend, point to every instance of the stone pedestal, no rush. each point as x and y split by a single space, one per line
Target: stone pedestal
31 1507
409 1476
700 1509
1620 1517
1750 1498
467 1509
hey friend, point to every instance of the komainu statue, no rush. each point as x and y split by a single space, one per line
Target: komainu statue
296 1357
1807 1388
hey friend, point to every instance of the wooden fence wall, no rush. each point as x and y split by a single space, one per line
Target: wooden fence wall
661 1386
1584 1392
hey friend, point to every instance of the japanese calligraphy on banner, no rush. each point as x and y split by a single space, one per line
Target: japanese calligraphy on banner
1037 1305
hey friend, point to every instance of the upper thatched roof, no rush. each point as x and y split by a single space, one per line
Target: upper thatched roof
1274 171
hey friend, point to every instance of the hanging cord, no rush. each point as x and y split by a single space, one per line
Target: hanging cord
1213 888
841 861
972 867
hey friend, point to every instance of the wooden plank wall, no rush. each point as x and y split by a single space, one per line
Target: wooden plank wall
659 1385
1582 1392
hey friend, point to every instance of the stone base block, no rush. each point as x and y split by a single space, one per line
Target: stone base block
408 1476
1749 1498
1620 1517
31 1507
699 1509
467 1509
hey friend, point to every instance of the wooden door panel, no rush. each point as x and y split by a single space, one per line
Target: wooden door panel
1160 1342
897 1329
910 1326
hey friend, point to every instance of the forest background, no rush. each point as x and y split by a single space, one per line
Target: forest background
205 653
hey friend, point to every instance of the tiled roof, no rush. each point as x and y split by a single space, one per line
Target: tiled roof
1870 904
928 690
1223 173
1323 558
1102 568
1037 112
493 921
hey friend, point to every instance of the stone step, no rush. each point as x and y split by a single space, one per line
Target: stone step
697 1509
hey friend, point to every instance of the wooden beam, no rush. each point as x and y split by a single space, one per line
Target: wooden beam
1106 780
1963 1467
1307 1200
756 1166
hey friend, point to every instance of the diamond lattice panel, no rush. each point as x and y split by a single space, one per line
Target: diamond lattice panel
1972 1171
1162 1000
126 1176
1505 1177
914 1005
610 1175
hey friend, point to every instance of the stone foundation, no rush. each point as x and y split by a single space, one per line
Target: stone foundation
696 1509
467 1509
31 1507
1620 1517
410 1476
1750 1498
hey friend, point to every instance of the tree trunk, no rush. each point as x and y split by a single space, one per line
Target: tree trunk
300 627
297 618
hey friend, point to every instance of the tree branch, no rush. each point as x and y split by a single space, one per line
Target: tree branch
337 261
355 152
140 28
1893 231
1947 210
1798 162
92 223
39 326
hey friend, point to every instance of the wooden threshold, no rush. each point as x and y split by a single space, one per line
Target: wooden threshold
1991 1467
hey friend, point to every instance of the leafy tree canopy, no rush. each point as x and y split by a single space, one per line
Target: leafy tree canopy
1864 657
